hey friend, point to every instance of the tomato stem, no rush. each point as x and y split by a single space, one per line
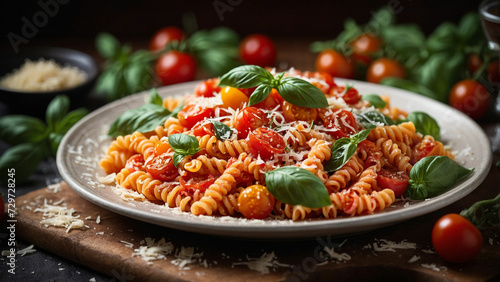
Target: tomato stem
484 214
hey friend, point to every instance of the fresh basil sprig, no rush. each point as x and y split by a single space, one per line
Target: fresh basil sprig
374 100
434 175
297 186
425 124
183 145
143 119
343 149
372 119
222 131
33 140
294 90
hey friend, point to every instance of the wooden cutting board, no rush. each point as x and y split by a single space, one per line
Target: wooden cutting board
108 247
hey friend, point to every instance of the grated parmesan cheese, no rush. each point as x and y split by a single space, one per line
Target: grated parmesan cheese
263 264
389 246
154 250
60 216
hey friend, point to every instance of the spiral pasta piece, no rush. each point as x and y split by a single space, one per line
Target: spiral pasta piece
339 179
221 149
394 155
253 166
403 132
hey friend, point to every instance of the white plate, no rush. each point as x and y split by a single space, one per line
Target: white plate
86 143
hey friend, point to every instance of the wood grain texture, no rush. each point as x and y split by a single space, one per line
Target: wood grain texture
223 257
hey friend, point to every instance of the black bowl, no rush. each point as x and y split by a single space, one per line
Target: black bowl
35 103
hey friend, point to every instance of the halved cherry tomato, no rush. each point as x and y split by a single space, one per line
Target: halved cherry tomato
191 114
258 49
364 46
350 95
335 64
383 68
248 119
272 101
175 67
470 97
162 167
293 112
162 147
192 182
397 181
207 88
421 150
203 128
265 142
135 163
233 97
342 120
324 83
256 202
456 239
164 36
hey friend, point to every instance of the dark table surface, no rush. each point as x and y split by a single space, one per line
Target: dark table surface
44 266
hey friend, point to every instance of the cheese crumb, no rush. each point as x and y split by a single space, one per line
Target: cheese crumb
60 216
262 264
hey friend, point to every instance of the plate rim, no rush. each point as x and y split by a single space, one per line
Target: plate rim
296 229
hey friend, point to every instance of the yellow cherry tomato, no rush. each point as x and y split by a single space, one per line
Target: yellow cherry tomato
233 97
256 201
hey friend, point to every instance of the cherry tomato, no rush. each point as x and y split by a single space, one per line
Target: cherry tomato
248 119
364 46
422 150
470 97
350 95
256 202
397 181
207 88
135 163
342 120
474 63
175 67
203 128
383 68
233 97
164 36
293 112
456 239
162 147
192 182
272 101
162 167
265 142
191 114
335 64
322 80
258 49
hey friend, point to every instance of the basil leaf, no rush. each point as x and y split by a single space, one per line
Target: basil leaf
17 129
343 149
406 40
469 28
56 111
54 141
374 100
246 77
107 45
143 119
425 124
444 38
373 119
24 158
184 144
155 98
259 94
301 93
297 186
434 175
69 120
177 158
217 61
222 131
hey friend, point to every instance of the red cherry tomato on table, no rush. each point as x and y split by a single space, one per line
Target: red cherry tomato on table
164 36
265 142
470 97
256 202
364 46
175 67
492 70
162 167
248 119
207 88
456 239
258 49
384 68
334 64
191 114
397 181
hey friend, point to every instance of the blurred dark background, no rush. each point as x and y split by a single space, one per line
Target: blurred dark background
138 20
